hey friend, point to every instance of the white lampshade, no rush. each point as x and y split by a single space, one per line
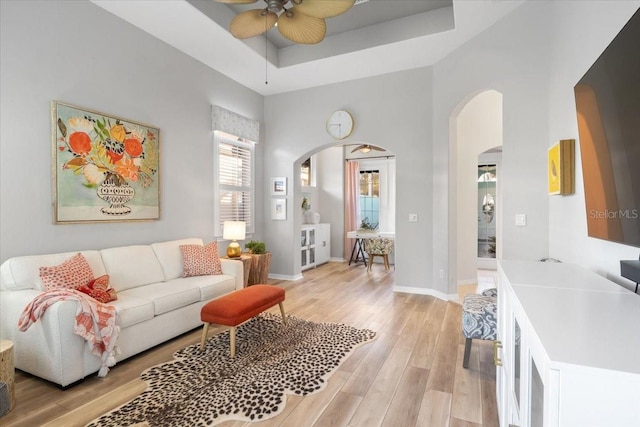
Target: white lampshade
234 230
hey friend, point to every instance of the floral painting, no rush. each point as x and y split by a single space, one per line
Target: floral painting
105 168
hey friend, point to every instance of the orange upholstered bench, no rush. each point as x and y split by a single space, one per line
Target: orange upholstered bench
237 307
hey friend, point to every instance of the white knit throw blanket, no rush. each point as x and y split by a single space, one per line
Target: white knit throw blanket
95 322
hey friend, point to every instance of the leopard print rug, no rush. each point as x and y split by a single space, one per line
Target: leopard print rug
272 360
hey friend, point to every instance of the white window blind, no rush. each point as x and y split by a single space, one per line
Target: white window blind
234 181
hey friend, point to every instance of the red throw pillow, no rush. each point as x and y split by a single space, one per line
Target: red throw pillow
200 260
98 289
71 274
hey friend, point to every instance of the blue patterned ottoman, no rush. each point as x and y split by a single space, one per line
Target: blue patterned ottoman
479 315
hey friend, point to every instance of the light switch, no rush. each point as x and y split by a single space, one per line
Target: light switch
521 220
413 217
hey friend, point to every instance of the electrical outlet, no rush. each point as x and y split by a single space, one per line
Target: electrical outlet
521 220
441 273
413 217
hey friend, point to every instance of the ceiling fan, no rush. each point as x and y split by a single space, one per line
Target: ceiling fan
365 148
302 23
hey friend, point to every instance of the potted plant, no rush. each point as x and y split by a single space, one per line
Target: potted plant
255 247
305 204
367 227
308 216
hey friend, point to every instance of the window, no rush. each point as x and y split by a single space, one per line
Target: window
234 198
370 196
305 173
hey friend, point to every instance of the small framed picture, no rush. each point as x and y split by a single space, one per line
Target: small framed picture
279 209
279 186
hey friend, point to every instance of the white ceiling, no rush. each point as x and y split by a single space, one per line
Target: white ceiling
373 38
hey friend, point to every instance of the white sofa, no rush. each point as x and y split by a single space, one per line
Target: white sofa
155 303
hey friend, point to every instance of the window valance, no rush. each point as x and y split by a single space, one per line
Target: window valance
235 124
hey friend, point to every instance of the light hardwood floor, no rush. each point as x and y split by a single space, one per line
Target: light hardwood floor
411 375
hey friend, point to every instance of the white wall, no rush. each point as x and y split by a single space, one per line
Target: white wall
509 58
392 111
75 52
534 66
478 129
581 32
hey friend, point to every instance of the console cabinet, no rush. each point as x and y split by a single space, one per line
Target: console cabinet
568 348
315 245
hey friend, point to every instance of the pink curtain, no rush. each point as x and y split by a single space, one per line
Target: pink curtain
351 205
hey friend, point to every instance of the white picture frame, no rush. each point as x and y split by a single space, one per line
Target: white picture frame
279 186
279 209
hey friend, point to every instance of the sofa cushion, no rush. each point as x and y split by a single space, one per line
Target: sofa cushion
23 272
71 274
170 256
200 260
132 309
209 287
165 296
132 266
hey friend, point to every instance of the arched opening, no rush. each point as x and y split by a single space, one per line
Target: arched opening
476 140
323 169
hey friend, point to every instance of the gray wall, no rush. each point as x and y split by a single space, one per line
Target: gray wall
75 52
392 111
409 113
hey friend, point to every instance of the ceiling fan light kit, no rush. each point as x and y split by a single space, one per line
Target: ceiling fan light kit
365 148
303 22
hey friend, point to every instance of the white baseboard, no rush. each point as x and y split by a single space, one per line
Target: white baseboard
285 277
425 291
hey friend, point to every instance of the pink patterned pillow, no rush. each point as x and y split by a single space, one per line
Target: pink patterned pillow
200 260
99 289
71 274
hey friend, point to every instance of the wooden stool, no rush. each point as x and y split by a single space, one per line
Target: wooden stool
239 306
7 371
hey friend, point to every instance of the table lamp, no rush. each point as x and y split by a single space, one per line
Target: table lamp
234 231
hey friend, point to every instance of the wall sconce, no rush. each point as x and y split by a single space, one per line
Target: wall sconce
234 231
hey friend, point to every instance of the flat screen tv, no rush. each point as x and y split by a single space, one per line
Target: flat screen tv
608 109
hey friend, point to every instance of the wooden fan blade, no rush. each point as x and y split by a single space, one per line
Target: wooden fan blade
236 1
252 23
373 147
357 148
301 28
323 8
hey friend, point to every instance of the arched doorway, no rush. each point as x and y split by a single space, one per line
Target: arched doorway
477 128
324 169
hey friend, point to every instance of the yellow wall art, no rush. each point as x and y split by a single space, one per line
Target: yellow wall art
561 167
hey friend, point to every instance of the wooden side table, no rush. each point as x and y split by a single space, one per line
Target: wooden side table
7 370
246 266
260 264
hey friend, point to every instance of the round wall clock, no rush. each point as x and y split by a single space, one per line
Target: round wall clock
340 124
